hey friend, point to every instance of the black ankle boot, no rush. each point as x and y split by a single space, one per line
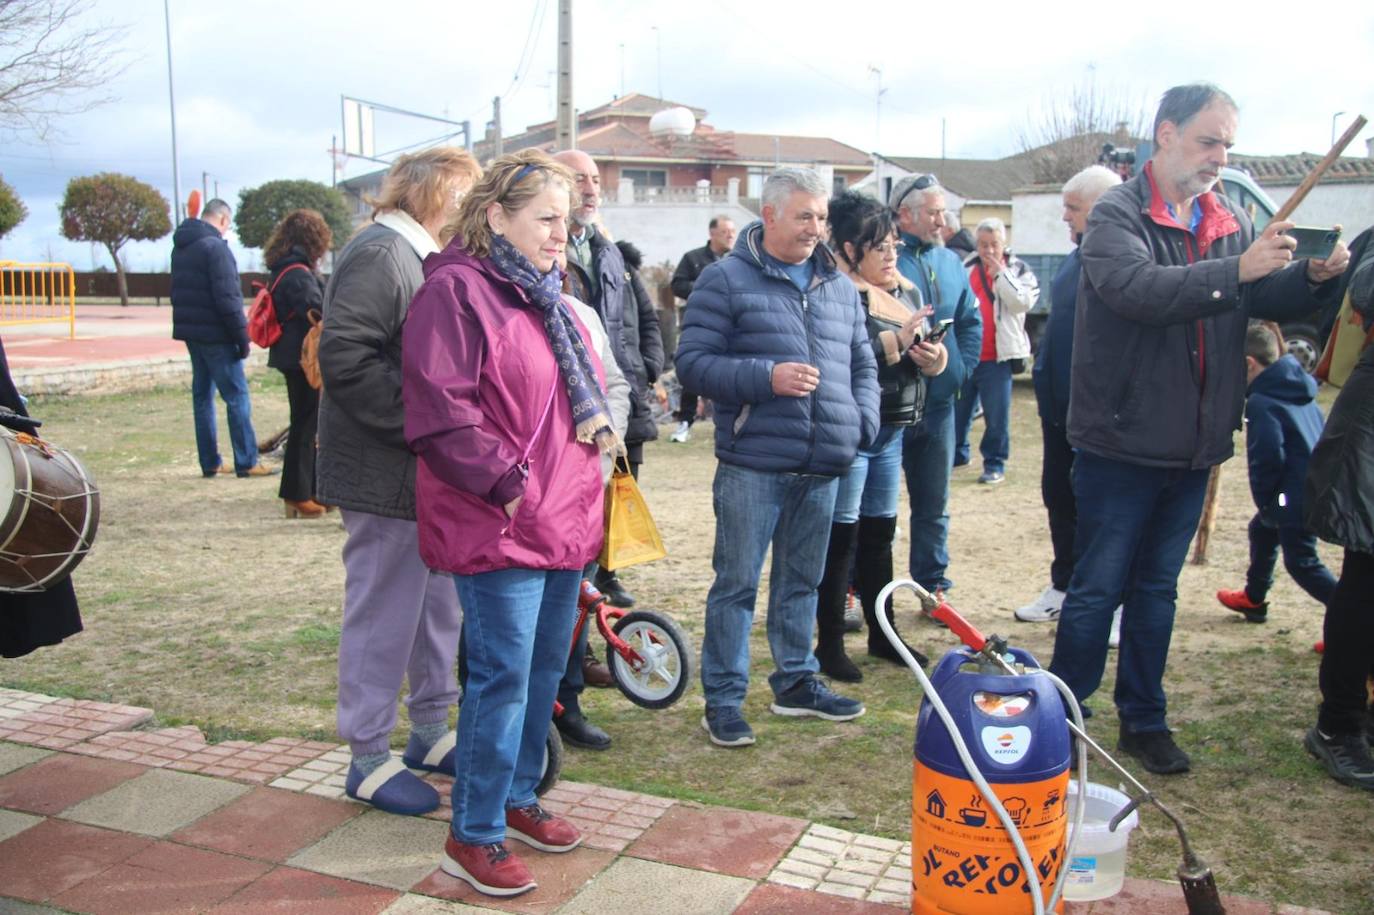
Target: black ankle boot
872 572
834 587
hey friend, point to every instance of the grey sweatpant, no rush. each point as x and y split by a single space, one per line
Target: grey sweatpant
399 620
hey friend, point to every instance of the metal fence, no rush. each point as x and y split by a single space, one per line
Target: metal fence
39 293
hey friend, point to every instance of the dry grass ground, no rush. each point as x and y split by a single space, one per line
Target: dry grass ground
203 603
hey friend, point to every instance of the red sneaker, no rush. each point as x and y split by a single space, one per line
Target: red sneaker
1240 602
538 828
491 869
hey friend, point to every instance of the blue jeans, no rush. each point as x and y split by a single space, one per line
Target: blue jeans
1299 558
1134 527
753 509
217 366
870 487
990 382
517 624
927 458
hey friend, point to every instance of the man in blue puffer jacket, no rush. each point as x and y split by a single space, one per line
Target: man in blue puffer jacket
207 313
775 336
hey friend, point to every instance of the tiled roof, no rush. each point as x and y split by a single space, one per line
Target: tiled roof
638 104
1282 170
972 179
604 134
761 147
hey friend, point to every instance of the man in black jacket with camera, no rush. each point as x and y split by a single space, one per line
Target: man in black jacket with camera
1171 275
684 278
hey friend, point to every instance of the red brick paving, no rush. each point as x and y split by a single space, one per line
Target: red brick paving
771 899
162 877
288 890
559 878
52 785
719 839
268 823
54 856
609 818
64 723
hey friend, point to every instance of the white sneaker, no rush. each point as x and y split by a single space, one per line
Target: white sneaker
1044 608
1114 640
682 433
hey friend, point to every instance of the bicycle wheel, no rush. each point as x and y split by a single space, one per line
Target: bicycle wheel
553 761
661 678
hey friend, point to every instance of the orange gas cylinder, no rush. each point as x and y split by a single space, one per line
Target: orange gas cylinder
962 859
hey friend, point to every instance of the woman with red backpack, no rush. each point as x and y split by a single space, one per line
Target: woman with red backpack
293 253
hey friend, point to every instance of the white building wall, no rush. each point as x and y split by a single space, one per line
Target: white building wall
1350 206
1040 228
664 232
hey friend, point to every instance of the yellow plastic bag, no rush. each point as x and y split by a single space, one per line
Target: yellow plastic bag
631 535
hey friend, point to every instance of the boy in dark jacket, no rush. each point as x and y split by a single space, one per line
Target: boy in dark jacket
1283 423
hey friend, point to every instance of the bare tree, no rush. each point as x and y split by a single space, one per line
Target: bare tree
50 60
1071 130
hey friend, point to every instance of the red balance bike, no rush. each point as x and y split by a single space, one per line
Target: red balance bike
648 655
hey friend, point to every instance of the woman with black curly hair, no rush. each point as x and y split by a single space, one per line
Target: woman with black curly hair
293 253
863 235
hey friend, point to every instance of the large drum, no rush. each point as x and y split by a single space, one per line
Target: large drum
49 510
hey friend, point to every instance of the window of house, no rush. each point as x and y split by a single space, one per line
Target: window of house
646 177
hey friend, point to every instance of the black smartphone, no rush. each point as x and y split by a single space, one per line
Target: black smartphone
938 334
1316 243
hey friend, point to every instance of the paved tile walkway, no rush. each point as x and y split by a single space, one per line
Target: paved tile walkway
98 814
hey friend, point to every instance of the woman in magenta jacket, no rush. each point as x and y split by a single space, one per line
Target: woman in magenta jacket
505 410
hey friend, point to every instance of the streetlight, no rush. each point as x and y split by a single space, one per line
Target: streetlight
658 39
1333 126
172 106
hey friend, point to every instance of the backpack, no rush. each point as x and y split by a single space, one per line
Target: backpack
310 350
263 327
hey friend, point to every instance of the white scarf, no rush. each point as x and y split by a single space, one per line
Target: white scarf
404 225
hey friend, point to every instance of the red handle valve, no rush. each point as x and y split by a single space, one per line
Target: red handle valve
966 631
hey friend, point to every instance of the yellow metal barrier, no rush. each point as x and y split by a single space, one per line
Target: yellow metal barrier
37 294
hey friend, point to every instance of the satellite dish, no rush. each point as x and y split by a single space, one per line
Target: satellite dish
673 122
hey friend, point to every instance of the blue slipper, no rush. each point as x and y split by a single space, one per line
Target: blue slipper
438 758
393 788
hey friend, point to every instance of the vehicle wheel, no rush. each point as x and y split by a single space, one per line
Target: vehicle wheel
662 678
553 761
1303 345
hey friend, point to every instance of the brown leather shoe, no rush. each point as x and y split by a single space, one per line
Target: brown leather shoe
260 470
594 673
306 508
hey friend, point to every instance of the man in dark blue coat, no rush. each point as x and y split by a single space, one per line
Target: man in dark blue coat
776 337
207 313
1051 376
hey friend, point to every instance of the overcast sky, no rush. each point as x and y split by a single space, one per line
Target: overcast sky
258 84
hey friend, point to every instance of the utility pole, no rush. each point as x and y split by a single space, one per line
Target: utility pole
204 188
177 206
567 116
497 149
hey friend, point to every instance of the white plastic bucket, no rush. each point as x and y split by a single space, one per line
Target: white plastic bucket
1097 868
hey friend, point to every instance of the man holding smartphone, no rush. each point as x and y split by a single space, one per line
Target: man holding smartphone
1171 275
928 446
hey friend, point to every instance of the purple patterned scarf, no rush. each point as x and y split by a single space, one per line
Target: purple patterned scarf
591 417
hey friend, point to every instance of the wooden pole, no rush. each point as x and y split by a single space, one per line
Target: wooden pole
1315 175
1208 522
